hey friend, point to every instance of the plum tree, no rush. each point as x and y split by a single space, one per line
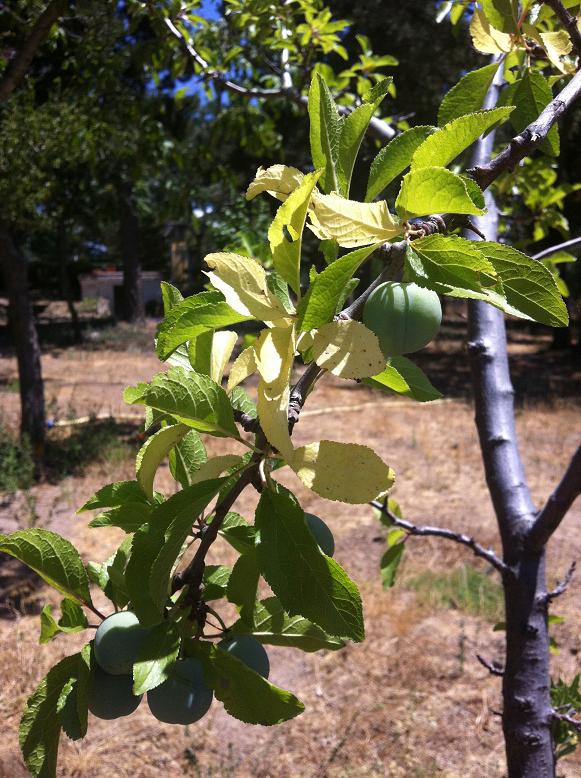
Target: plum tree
117 642
184 698
111 696
404 316
321 533
250 651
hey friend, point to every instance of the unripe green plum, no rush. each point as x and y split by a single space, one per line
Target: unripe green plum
184 697
248 650
321 533
110 696
404 316
118 642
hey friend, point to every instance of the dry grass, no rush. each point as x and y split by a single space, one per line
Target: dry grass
411 700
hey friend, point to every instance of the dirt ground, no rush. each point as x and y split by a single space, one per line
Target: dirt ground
412 700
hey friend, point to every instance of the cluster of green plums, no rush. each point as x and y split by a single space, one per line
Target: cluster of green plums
184 697
404 316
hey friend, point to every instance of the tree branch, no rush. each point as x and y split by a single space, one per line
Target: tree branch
447 534
559 247
18 66
558 504
566 719
485 172
569 23
493 667
563 585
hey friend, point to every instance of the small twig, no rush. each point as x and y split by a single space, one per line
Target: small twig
94 610
440 532
563 585
559 247
567 719
569 23
493 667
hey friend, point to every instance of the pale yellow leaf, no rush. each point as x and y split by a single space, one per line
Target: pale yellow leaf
351 223
557 45
275 352
348 349
487 38
272 408
153 451
242 367
347 472
214 468
223 343
277 180
242 281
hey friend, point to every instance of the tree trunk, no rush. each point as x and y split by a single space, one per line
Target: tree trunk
129 234
66 287
15 272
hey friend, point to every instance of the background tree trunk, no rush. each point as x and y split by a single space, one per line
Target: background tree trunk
129 239
66 288
25 336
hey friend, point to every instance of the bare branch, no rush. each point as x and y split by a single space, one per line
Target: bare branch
563 585
566 719
559 247
18 66
448 534
558 504
493 667
528 140
569 23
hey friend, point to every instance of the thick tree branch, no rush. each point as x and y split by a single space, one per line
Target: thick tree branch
558 504
569 23
447 534
18 66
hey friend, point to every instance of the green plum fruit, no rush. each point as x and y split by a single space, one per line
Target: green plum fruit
118 641
110 696
248 650
184 697
321 533
405 317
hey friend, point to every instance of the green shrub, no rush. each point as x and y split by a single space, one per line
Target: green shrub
16 465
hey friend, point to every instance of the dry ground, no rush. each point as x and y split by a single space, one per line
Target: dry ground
411 700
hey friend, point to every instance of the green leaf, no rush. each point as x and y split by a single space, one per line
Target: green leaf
41 721
246 695
306 581
528 285
215 581
242 402
153 451
110 576
402 376
116 494
391 560
326 290
238 532
157 654
171 296
354 127
325 132
187 456
441 148
502 14
468 94
394 158
156 547
279 288
54 558
432 190
274 627
449 260
203 311
286 232
531 96
243 584
193 399
72 619
200 352
128 517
